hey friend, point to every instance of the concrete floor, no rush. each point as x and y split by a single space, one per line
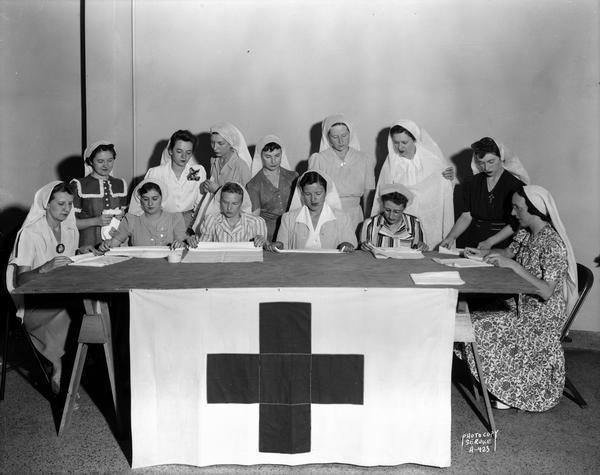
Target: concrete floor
563 440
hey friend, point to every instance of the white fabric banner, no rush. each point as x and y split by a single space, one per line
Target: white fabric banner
346 375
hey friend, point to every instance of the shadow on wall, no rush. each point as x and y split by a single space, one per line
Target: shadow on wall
70 167
462 164
314 137
381 150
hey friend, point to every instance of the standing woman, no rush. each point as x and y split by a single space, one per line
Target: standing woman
47 239
315 219
519 339
98 196
271 185
181 174
351 170
415 161
487 196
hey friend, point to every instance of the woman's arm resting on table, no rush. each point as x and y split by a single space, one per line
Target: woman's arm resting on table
462 223
26 273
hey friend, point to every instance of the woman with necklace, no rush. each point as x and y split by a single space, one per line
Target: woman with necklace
519 339
46 241
153 226
271 186
315 219
487 195
99 197
351 170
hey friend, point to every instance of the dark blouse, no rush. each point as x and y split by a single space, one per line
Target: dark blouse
490 210
92 196
272 201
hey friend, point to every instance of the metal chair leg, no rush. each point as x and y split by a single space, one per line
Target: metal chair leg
574 393
486 397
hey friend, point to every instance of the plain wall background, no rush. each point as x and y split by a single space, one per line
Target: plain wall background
526 72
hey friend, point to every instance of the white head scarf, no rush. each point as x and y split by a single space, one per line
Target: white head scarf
214 206
257 159
137 198
166 157
234 138
332 197
88 152
398 188
40 204
543 201
330 122
510 162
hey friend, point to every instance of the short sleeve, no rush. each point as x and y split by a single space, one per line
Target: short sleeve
261 227
77 200
24 249
553 259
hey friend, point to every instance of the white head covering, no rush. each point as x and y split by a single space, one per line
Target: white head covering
234 138
510 162
257 159
332 197
398 188
40 204
88 152
543 201
214 206
135 196
330 122
166 158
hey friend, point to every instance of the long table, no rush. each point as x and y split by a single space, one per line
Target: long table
297 271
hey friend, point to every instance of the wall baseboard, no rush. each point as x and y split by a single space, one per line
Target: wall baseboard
583 340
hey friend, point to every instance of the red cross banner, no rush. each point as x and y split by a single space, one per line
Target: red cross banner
291 376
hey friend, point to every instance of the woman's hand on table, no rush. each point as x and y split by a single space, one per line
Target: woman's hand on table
448 173
273 246
473 252
499 260
177 244
421 246
89 248
259 240
104 246
485 244
346 247
366 246
193 240
58 261
446 243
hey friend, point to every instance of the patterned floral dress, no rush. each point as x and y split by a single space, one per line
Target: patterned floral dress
519 341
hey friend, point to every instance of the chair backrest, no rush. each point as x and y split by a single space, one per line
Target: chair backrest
585 280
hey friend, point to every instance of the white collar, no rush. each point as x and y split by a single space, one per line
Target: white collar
327 214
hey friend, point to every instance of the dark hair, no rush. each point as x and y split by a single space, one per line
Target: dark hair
484 146
531 209
338 123
184 136
62 187
394 197
148 186
101 148
271 147
310 178
231 187
398 129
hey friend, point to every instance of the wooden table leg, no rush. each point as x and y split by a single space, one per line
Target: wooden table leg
95 328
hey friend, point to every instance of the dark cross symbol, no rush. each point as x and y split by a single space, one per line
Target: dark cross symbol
285 378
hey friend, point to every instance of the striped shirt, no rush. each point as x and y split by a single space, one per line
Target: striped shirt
376 231
215 228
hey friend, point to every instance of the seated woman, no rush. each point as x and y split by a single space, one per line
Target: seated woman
47 239
98 196
393 227
181 174
271 186
315 219
487 196
351 170
233 222
152 226
231 161
519 341
415 161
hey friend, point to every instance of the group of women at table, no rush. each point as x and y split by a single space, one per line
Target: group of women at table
261 199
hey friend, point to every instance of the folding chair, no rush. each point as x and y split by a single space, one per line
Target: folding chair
585 279
463 333
8 315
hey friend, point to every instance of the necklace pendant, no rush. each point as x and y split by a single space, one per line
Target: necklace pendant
60 248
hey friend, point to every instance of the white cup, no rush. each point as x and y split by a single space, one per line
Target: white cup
175 256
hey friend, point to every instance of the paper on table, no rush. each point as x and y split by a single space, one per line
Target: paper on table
207 252
461 262
150 252
396 253
308 251
89 260
437 278
453 252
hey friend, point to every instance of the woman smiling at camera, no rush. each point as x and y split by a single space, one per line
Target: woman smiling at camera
315 219
519 341
153 226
